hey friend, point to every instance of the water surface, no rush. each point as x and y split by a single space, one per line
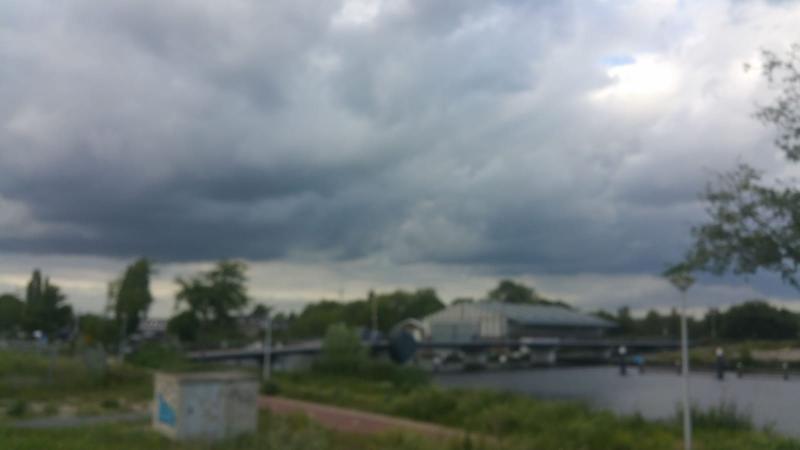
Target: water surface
769 400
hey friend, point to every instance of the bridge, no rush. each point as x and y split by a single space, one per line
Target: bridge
402 347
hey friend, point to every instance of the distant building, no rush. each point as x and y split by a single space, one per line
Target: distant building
152 328
496 320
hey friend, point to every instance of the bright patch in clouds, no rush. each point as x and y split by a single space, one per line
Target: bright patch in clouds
357 12
644 77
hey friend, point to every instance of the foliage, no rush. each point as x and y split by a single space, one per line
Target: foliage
98 329
391 309
755 224
26 375
17 408
526 423
270 387
343 355
216 295
342 351
753 319
509 291
275 432
12 311
45 306
724 416
759 320
130 295
185 326
154 355
213 300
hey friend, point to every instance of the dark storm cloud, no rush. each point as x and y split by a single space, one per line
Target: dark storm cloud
442 132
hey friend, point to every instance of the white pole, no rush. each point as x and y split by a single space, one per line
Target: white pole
687 419
267 362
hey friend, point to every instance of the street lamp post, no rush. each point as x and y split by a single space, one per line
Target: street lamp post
267 361
683 280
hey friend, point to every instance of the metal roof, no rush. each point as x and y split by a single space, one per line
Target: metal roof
543 315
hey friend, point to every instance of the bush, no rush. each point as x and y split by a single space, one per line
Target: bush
154 355
343 355
342 352
17 408
270 387
724 416
110 403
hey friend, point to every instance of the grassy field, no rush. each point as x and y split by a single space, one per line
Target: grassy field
522 422
513 422
275 433
28 391
33 384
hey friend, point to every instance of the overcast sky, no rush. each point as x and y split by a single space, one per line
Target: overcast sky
343 146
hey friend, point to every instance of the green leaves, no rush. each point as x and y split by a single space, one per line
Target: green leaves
131 294
755 225
213 298
752 226
45 306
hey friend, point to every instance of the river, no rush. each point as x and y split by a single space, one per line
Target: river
768 400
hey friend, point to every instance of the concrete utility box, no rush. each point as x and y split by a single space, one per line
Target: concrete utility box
208 406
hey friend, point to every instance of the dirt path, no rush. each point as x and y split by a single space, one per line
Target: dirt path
354 421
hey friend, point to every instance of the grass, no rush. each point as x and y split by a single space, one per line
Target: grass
27 388
524 422
514 422
27 375
275 432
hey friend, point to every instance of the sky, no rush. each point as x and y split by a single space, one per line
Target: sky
342 146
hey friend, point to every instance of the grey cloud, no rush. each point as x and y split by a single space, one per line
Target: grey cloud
457 133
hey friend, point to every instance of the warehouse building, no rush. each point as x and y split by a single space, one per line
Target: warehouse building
496 320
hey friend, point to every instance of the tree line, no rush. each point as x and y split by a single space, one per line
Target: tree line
43 310
750 320
213 305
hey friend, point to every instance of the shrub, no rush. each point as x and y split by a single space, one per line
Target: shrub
110 403
270 387
17 408
724 416
342 352
154 355
343 355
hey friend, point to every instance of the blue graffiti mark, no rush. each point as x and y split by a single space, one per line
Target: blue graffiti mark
166 414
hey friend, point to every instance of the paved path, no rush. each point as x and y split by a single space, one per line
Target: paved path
354 421
78 421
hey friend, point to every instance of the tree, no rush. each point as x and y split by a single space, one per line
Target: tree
342 351
184 325
213 299
392 308
509 291
653 324
754 223
130 295
46 309
12 311
98 329
625 323
757 319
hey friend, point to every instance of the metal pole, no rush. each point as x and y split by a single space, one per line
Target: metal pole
267 362
122 333
687 419
374 305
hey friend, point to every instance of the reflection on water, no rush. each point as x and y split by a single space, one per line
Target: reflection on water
769 400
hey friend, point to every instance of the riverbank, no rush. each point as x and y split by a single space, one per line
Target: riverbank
519 422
